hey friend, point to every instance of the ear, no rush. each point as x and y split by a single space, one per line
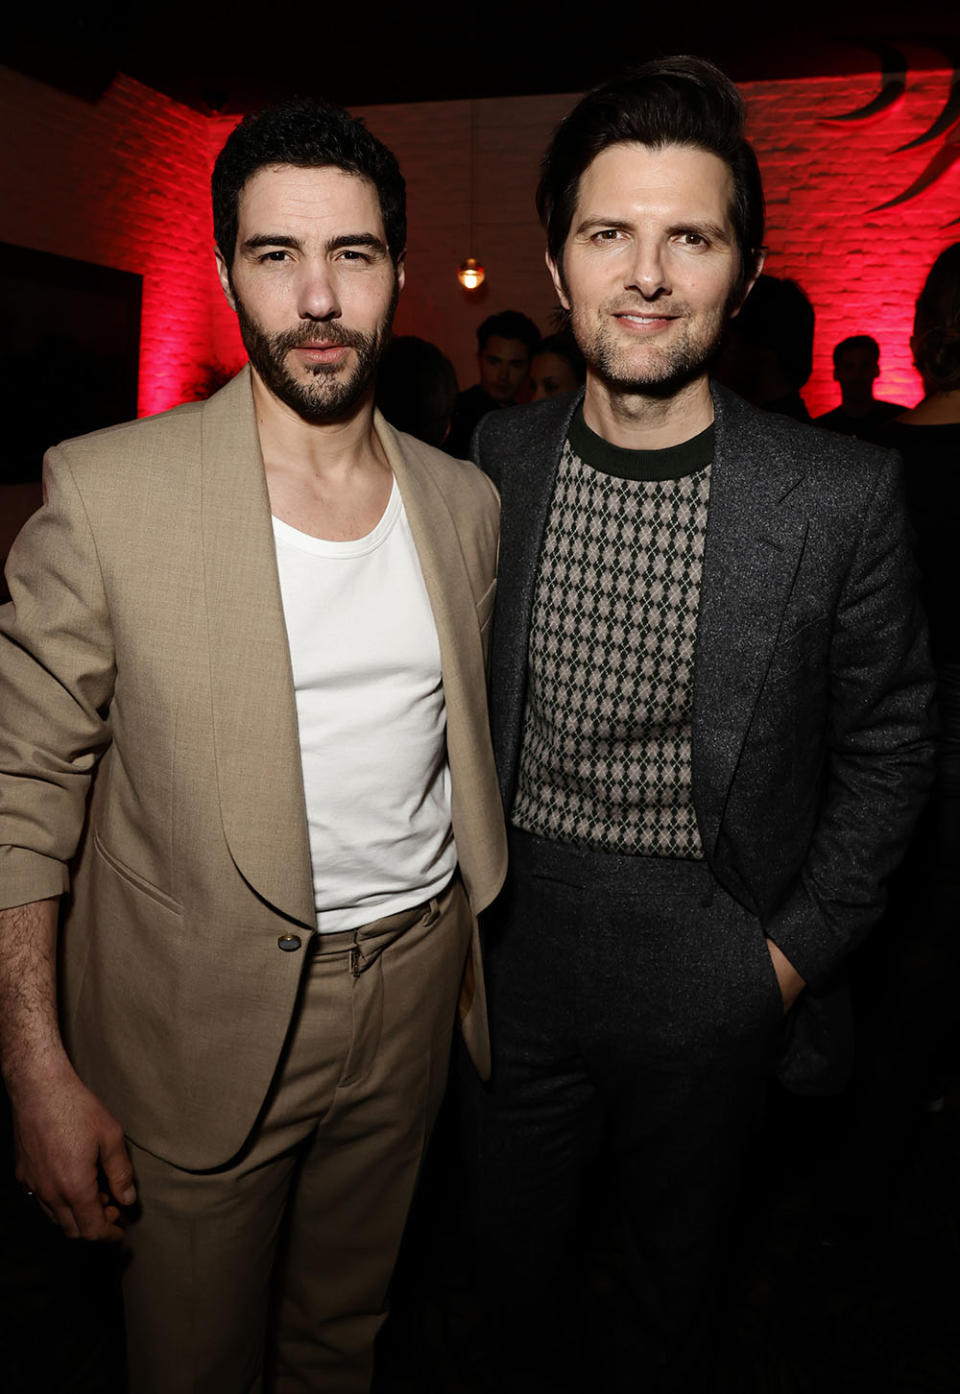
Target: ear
401 270
556 275
223 272
758 266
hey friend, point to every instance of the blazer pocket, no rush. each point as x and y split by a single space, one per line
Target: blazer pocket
485 605
132 878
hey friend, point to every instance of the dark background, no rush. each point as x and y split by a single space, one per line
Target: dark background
232 60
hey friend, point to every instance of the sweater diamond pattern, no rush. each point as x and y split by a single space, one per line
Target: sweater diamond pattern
605 761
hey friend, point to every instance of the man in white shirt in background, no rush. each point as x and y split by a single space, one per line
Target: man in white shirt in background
243 673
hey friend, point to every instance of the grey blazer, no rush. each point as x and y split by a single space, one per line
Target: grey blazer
812 724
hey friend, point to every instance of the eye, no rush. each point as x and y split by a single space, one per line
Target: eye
351 254
693 239
607 234
279 255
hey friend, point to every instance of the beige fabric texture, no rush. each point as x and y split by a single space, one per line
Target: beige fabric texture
332 1164
145 653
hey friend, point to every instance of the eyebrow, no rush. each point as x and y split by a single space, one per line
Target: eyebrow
589 223
356 239
344 239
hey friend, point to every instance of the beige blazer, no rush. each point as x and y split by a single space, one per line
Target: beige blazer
145 653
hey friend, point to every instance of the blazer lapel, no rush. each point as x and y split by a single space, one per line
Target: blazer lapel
453 604
254 709
526 482
754 543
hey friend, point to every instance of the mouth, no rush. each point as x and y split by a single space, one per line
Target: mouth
640 323
321 351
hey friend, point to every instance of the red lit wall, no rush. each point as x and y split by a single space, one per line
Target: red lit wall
124 182
121 182
862 269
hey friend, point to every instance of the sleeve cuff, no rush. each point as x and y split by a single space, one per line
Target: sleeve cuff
27 876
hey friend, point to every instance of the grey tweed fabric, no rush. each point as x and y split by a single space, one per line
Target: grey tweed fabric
812 722
605 760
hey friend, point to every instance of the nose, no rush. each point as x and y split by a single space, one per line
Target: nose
317 293
648 273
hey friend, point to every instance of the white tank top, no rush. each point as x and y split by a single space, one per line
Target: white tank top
366 671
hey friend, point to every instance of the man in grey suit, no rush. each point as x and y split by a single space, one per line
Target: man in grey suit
711 721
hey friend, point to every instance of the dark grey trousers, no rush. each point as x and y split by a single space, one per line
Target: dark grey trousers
634 1016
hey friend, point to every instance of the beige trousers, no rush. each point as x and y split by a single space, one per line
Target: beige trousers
331 1166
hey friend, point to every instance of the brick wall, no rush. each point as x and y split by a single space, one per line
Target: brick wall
124 182
861 269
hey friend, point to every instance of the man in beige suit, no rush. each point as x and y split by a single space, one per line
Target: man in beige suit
246 784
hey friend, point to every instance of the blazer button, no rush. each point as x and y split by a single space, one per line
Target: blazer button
289 942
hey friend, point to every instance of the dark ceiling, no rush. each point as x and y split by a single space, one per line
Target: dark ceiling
362 54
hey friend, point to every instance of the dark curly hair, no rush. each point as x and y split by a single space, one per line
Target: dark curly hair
936 324
312 135
670 101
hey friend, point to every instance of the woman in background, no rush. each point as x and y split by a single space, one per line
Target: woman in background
928 439
557 366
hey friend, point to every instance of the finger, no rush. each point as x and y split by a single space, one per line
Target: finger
118 1169
47 1212
111 1212
88 1212
63 1216
96 1225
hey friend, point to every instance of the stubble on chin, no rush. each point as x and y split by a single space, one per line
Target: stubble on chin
332 391
652 369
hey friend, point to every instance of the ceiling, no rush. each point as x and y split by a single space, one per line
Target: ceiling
363 54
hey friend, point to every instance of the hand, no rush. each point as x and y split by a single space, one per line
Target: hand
791 983
69 1145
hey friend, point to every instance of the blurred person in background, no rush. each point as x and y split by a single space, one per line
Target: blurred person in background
903 981
928 439
856 367
417 388
558 366
767 354
506 342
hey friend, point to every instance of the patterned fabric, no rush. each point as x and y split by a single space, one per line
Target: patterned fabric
605 761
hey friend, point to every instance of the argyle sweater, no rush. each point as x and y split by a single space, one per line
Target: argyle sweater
605 757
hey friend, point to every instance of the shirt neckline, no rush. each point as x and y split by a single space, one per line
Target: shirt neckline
670 462
343 551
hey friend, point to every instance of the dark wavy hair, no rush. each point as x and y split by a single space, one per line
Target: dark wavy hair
669 101
312 135
509 324
936 324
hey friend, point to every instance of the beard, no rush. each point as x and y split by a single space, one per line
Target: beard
332 391
651 370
